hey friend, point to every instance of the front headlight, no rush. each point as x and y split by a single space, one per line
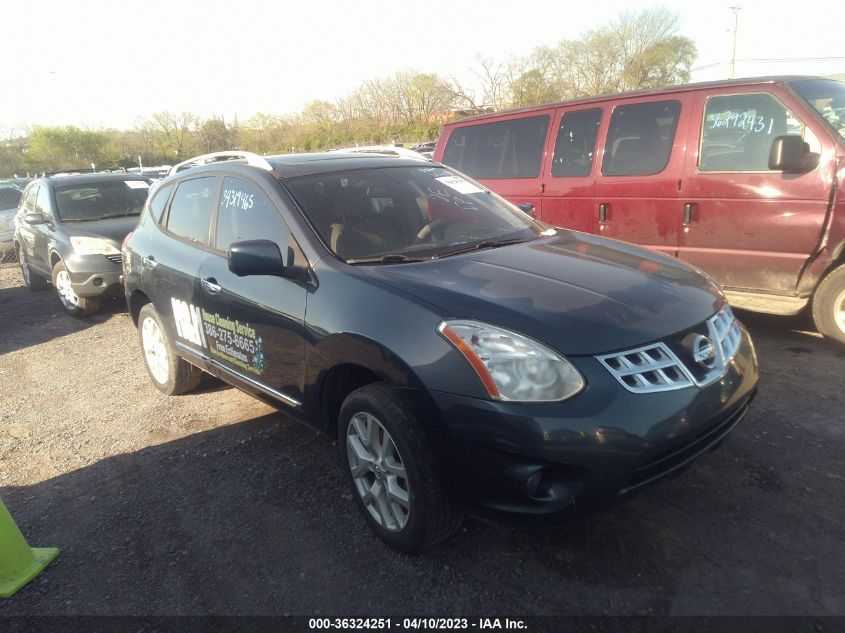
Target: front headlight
93 246
512 366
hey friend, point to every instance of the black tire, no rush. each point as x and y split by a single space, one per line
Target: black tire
181 375
81 306
828 302
432 517
31 280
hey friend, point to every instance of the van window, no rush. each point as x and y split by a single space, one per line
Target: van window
190 210
576 143
640 138
738 131
506 149
246 213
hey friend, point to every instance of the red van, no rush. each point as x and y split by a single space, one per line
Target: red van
741 178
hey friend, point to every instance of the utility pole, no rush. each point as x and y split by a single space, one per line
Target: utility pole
733 54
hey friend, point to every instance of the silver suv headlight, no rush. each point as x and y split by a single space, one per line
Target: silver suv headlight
512 366
93 246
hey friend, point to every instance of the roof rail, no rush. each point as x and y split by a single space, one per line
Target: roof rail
385 150
251 159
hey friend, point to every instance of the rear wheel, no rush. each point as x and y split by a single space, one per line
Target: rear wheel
829 305
73 304
30 279
392 471
170 374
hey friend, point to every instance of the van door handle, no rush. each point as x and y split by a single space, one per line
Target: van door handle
689 207
211 286
149 261
603 212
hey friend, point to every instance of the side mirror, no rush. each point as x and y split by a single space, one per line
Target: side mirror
791 154
256 257
35 219
527 207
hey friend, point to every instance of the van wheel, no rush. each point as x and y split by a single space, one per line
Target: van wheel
73 305
170 374
829 305
392 471
30 279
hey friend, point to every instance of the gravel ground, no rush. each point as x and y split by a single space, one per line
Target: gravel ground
212 503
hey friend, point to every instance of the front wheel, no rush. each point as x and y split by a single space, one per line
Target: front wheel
74 305
171 374
829 305
392 471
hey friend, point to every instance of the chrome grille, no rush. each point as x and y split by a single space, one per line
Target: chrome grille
648 369
117 259
655 367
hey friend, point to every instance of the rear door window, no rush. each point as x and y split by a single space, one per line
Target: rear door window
246 213
505 149
190 210
9 198
640 137
738 131
576 143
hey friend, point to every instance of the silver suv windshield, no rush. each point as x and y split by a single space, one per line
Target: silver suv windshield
400 214
827 97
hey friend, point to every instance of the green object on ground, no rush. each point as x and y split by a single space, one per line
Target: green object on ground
19 563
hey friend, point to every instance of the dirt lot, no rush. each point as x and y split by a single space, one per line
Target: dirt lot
213 503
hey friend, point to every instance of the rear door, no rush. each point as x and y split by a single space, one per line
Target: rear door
750 227
642 156
570 169
506 155
171 264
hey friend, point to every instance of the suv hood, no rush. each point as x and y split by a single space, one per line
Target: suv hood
114 229
579 293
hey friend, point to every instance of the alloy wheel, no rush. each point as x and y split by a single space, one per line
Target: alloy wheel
378 472
155 351
66 293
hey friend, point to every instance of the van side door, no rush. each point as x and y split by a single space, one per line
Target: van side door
505 154
570 167
642 156
751 227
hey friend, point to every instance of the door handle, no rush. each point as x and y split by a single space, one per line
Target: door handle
603 212
211 286
689 207
149 261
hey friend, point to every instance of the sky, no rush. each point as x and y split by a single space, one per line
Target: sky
109 64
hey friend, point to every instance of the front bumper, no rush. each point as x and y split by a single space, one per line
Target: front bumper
95 276
592 452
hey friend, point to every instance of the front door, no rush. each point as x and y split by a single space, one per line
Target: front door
254 325
748 226
637 186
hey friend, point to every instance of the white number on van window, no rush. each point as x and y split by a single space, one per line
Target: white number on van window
237 199
188 322
749 121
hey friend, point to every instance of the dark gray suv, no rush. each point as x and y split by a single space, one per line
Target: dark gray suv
68 232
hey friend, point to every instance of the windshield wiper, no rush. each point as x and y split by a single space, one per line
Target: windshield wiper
118 215
485 244
390 258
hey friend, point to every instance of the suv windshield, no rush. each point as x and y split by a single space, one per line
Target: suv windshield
827 97
406 213
100 200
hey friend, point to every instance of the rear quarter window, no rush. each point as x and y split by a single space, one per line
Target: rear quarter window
504 149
